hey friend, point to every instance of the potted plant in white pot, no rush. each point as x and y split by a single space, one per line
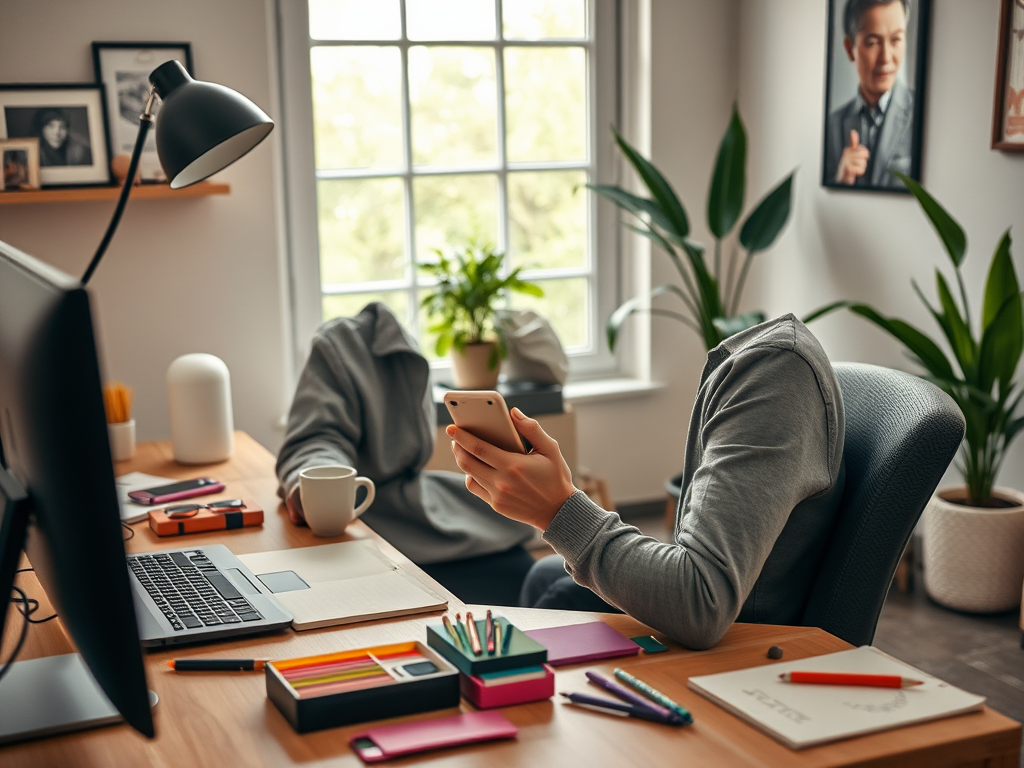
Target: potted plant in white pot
470 289
973 534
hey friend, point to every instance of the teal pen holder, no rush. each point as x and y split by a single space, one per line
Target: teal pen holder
523 651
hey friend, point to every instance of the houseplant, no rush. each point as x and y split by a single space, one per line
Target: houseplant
470 289
973 535
709 299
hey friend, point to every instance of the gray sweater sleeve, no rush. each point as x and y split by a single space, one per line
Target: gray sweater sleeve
764 449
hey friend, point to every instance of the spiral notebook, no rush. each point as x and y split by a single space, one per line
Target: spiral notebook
803 715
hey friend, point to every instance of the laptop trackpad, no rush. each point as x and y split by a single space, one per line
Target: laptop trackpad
282 581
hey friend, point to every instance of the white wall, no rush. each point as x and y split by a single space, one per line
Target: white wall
868 246
197 275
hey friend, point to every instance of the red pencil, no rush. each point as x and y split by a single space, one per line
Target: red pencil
846 678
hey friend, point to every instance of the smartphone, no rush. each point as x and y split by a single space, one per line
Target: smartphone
483 414
186 489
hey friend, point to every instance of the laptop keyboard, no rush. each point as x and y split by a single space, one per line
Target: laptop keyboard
190 590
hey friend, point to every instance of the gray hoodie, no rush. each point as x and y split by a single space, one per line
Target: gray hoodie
364 400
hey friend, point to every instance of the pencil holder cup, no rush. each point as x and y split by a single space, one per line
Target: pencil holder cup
122 440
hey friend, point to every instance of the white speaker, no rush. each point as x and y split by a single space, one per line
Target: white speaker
199 402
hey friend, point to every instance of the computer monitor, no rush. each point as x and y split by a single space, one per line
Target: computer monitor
54 445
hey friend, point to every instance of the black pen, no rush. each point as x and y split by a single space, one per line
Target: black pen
216 665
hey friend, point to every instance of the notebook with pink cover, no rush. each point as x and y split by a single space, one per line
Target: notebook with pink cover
387 741
575 643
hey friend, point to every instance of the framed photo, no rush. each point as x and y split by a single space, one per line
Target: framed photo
69 122
19 164
123 69
874 93
1008 110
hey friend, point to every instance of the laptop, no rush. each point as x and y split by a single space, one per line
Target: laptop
200 593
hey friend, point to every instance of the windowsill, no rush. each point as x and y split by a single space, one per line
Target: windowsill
608 389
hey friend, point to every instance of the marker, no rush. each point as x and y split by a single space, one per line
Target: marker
497 636
474 636
451 632
632 698
216 665
656 696
490 633
462 633
509 629
846 678
608 705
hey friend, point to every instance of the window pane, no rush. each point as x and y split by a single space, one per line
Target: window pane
426 338
539 19
564 305
452 211
354 20
547 214
545 104
454 106
449 19
361 233
350 304
357 107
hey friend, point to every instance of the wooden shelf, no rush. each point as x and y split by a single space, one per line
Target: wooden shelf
141 192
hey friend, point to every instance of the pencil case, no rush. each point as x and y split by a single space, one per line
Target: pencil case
521 650
388 741
509 686
315 692
205 520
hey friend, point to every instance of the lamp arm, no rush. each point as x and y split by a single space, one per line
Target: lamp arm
145 121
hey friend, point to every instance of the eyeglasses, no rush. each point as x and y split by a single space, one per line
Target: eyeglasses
190 510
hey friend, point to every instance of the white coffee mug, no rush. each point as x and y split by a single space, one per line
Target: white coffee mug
328 495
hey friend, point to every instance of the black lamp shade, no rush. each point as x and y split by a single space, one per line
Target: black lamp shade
202 127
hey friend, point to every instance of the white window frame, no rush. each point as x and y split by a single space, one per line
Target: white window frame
603 84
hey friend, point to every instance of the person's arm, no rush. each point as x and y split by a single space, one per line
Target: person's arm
765 450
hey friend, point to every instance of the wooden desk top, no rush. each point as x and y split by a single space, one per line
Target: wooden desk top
225 719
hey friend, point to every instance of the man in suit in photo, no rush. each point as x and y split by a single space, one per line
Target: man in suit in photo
871 134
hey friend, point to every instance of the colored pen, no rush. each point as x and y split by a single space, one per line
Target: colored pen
656 696
497 636
490 633
845 678
461 629
474 636
596 702
509 629
216 665
632 698
451 632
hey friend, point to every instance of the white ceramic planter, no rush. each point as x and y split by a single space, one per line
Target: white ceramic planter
974 556
470 369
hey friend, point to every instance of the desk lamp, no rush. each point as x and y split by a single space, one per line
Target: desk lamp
204 127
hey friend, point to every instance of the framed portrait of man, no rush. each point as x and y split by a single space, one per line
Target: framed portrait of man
874 93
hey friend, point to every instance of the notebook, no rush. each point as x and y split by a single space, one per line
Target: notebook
340 584
575 643
802 715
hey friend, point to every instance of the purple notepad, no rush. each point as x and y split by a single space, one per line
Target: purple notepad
575 643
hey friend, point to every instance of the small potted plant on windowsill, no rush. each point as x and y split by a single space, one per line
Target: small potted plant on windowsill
470 289
973 534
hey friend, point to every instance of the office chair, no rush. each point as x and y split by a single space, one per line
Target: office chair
901 434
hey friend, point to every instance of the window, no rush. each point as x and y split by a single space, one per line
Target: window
415 125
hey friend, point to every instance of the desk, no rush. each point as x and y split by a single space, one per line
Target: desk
225 719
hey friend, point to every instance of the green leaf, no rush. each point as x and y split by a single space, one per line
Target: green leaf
1001 344
956 331
730 326
659 187
1001 283
618 317
729 180
923 348
951 233
633 203
766 221
825 310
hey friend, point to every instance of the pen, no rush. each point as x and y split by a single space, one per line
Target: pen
451 632
653 695
845 678
632 698
596 702
462 633
509 629
474 636
216 665
490 633
497 636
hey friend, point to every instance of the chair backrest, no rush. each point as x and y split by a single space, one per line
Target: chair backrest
901 434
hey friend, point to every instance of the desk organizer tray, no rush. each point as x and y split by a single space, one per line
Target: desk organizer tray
360 685
509 686
522 651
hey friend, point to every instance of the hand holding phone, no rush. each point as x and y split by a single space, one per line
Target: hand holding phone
483 414
186 489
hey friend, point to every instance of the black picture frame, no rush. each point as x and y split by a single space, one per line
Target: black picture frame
1008 102
32 109
123 68
897 141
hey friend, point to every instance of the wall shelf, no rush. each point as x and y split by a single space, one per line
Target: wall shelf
141 192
